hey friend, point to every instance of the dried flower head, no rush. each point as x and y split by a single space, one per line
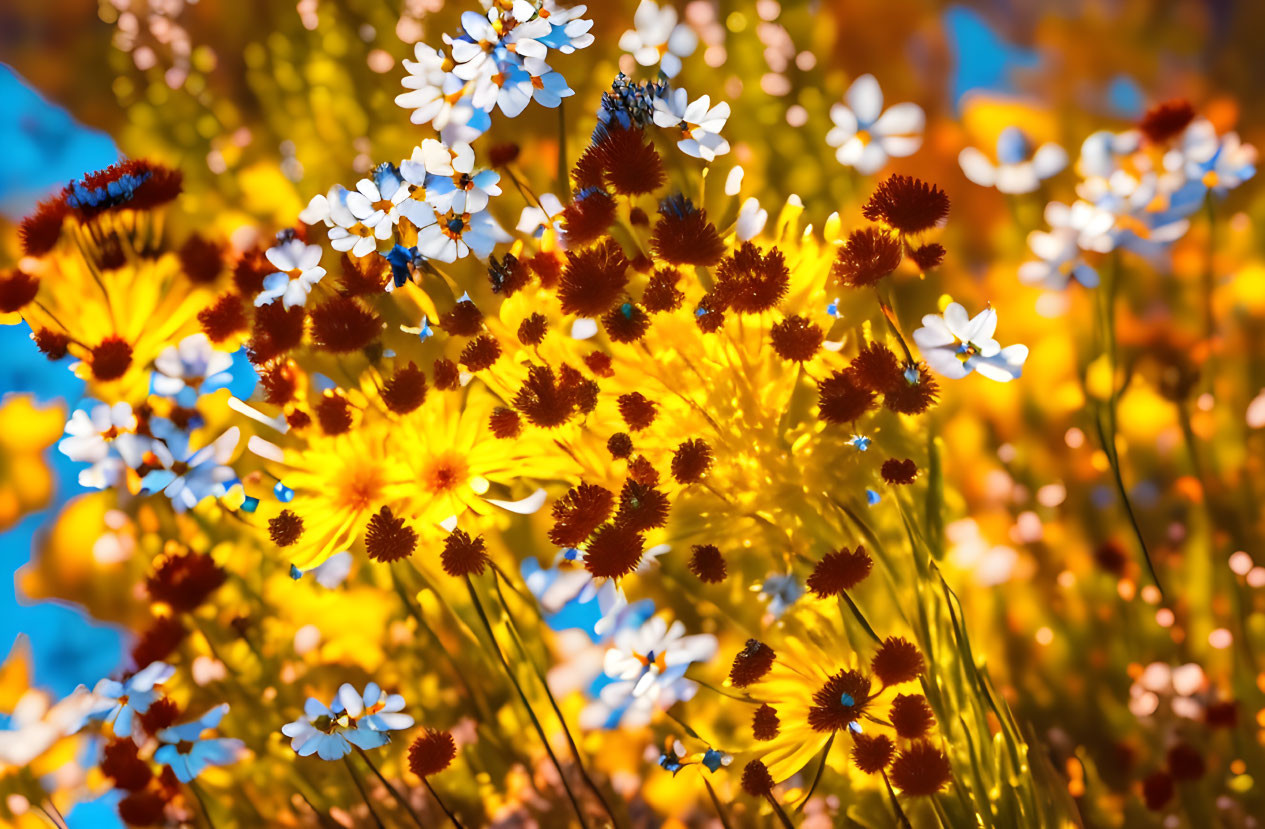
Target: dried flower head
594 279
388 538
1157 790
111 358
921 770
17 289
480 353
405 391
631 165
160 640
40 231
532 330
841 399
586 219
121 762
907 205
446 375
599 363
505 423
626 323
614 551
765 723
872 753
1167 120
914 397
52 344
751 282
579 513
343 325
184 581
277 329
691 460
899 472
927 256
223 318
911 716
683 236
661 293
637 410
285 528
163 713
869 255
463 555
756 780
839 571
1185 762
896 661
201 259
751 664
431 753
641 506
142 808
707 563
334 413
620 445
797 339
509 275
463 320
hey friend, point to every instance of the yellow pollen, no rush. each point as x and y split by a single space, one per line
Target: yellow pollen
445 472
864 136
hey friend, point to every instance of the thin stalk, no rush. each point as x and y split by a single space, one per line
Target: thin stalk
399 798
900 813
562 144
531 713
197 795
720 809
781 813
821 768
441 803
522 650
360 787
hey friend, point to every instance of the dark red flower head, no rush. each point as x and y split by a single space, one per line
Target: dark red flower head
637 410
751 664
921 770
756 780
872 754
869 255
579 513
431 753
586 219
683 236
405 390
896 661
1167 120
342 325
614 551
927 256
509 275
159 641
549 402
661 293
914 397
388 538
626 323
594 279
1157 790
446 375
184 581
40 231
480 353
749 281
334 413
797 339
505 423
839 571
463 555
630 165
223 318
52 344
464 320
907 205
286 528
841 399
277 329
532 330
911 716
641 506
201 259
620 445
17 289
691 461
899 472
765 723
122 764
143 808
707 563
111 358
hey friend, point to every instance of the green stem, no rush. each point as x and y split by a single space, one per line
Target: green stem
821 768
399 798
900 813
440 801
360 787
720 809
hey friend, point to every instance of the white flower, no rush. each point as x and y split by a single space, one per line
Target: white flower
188 477
647 665
105 438
569 31
188 753
657 37
955 345
436 95
1058 251
360 720
533 220
751 220
376 201
1220 163
487 36
534 82
194 364
119 702
449 177
865 136
455 235
36 723
298 269
700 123
1020 167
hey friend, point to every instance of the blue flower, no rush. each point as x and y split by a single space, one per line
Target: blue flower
355 719
781 592
121 701
188 754
861 442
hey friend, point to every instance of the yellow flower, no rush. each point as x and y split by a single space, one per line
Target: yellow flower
26 483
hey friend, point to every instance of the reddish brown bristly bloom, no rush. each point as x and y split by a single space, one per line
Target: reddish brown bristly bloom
840 701
751 664
586 219
599 363
532 330
509 275
1167 120
661 293
911 716
896 661
915 397
158 641
631 165
162 713
201 259
52 344
388 538
40 231
641 470
899 472
796 339
223 318
249 271
750 281
921 770
17 289
907 205
641 506
869 255
361 277
277 329
144 808
405 391
111 358
841 399
765 723
614 551
876 368
505 423
121 763
502 154
333 412
184 581
480 353
756 780
839 571
683 236
707 563
464 320
579 513
594 279
285 529
691 461
927 256
342 325
431 753
446 374
279 382
872 754
626 323
463 555
545 401
1157 790
636 410
1185 763
620 445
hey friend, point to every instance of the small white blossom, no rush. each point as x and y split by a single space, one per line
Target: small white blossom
657 38
449 177
1020 166
456 235
751 220
118 703
104 437
193 364
361 720
1059 250
955 345
700 123
188 752
865 136
298 269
